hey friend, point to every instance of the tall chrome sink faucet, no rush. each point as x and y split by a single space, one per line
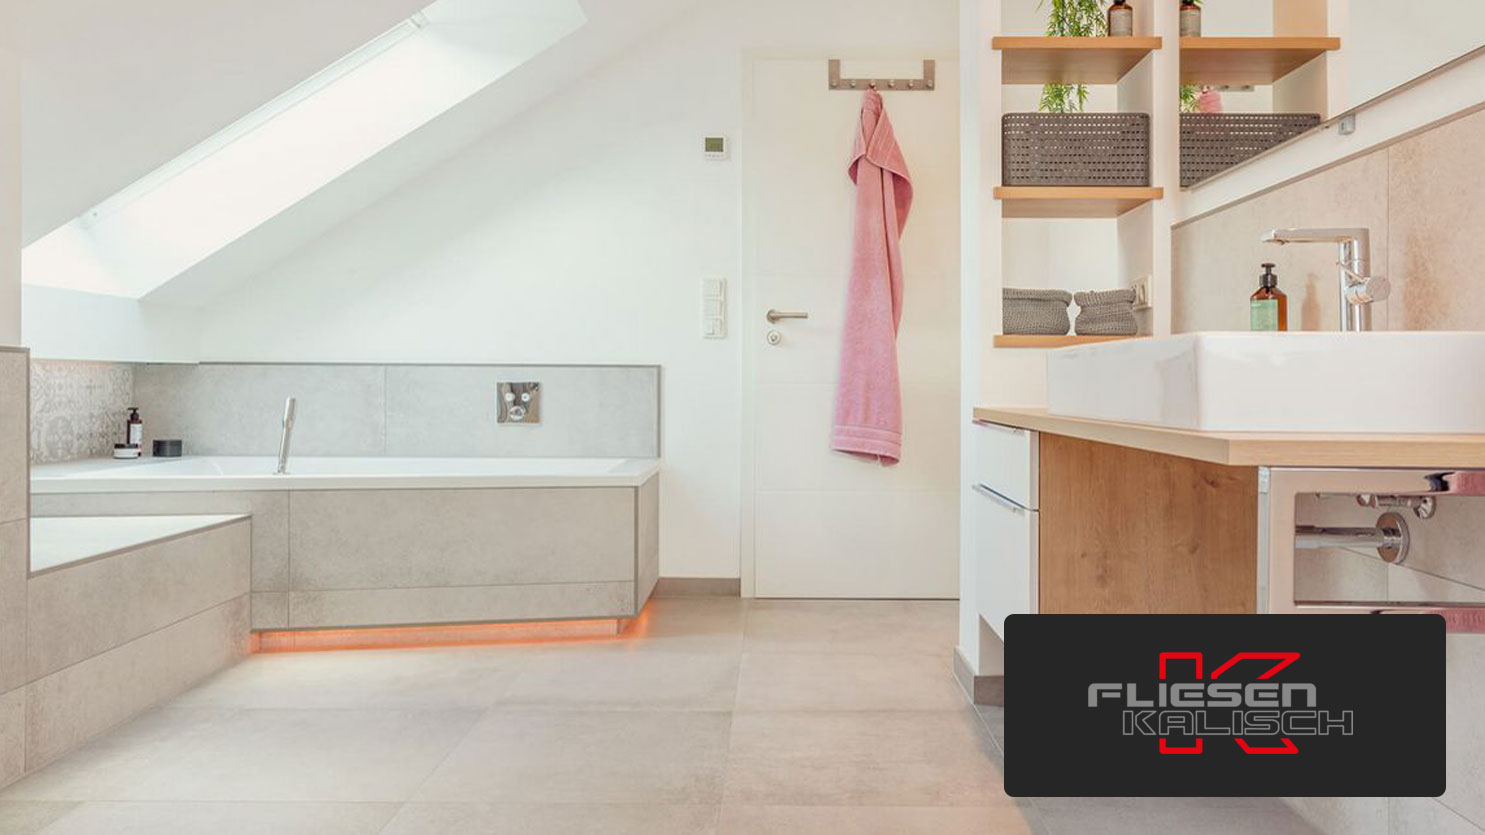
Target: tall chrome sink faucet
283 440
1358 288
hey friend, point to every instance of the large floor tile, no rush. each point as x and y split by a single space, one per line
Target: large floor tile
875 820
624 676
1116 819
658 757
874 627
540 819
1425 814
690 624
403 679
27 817
224 819
258 755
826 681
943 758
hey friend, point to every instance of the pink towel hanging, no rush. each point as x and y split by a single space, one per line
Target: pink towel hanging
868 396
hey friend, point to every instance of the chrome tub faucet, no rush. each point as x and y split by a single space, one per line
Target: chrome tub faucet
283 440
1358 287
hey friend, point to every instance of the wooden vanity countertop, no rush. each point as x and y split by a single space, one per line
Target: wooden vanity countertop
1257 449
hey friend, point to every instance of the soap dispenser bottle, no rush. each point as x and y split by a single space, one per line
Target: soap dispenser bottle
1268 308
134 428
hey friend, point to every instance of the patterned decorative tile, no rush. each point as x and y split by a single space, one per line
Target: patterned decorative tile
78 409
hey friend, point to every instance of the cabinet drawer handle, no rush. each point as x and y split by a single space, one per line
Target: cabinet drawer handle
999 499
1011 430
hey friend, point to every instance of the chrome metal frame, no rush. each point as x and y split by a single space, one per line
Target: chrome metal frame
1278 488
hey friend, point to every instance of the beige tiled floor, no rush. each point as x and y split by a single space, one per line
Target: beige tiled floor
713 716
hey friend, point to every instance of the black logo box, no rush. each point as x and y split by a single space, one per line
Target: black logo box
1388 670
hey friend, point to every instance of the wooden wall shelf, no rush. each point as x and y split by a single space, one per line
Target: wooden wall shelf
1070 60
1073 201
1016 340
1240 61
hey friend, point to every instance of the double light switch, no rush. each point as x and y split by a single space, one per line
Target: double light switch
714 308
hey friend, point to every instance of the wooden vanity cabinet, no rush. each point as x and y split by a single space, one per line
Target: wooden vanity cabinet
1069 526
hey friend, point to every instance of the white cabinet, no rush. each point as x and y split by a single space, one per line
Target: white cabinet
1006 520
1005 461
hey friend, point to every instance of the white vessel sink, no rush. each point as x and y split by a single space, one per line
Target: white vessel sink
1392 382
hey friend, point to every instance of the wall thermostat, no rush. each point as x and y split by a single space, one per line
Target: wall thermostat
715 147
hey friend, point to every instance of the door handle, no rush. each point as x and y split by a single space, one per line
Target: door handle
773 316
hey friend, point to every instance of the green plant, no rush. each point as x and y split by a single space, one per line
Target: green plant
1071 19
1189 94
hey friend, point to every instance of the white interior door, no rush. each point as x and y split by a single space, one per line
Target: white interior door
825 524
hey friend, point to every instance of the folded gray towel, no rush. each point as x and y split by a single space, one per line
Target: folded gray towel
1094 298
1035 295
1040 312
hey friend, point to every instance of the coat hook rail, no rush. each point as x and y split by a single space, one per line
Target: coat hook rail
924 84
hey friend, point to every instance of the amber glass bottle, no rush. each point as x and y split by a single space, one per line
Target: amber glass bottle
1121 19
1268 308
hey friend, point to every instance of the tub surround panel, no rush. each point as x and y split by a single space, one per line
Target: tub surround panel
586 412
269 511
1423 199
647 538
370 539
400 410
460 604
15 529
66 708
12 736
78 408
238 409
13 588
83 610
14 434
270 610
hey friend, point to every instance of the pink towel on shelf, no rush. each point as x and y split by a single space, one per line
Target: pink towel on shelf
868 398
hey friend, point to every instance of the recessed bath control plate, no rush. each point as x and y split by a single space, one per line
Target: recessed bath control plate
518 403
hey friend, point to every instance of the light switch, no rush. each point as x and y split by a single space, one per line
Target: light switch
714 308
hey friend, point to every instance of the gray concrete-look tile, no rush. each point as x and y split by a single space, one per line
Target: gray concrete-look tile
197 754
551 819
1111 819
941 758
1426 815
870 627
619 676
658 757
28 817
15 435
396 679
72 705
827 681
876 820
224 819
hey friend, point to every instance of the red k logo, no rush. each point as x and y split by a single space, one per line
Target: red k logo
1282 659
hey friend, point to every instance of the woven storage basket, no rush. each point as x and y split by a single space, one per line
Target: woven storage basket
1076 149
1040 312
1107 313
1214 142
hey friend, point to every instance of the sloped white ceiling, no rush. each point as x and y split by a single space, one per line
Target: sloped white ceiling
112 90
81 171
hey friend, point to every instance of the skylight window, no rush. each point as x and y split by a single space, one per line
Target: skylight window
173 218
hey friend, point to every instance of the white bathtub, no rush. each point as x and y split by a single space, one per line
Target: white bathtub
224 473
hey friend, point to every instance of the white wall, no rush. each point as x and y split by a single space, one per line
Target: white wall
1388 43
580 233
10 179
